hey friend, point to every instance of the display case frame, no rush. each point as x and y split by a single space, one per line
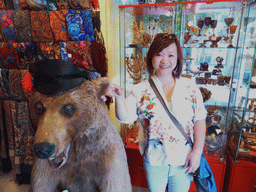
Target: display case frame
241 156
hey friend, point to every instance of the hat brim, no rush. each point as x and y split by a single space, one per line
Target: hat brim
58 85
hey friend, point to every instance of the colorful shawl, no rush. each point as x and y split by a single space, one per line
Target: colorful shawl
63 51
58 25
40 27
27 54
9 54
6 19
79 23
16 90
22 26
79 53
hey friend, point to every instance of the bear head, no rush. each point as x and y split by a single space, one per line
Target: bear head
64 106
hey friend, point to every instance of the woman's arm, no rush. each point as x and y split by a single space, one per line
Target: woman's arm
193 158
120 103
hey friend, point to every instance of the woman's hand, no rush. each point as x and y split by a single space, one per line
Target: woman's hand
192 161
120 104
115 91
193 158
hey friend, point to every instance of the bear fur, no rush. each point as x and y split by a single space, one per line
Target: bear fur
78 119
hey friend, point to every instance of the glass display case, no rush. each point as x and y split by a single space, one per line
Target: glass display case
241 156
218 40
213 38
242 110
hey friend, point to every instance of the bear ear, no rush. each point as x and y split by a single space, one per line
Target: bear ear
102 85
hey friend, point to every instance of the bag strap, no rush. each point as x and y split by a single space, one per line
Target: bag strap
174 120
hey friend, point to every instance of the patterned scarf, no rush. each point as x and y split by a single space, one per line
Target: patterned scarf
10 57
40 27
27 54
58 25
6 19
79 24
22 26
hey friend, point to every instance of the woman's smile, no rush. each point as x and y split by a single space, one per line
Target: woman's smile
164 67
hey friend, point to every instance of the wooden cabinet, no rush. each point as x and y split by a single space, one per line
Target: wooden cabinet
240 176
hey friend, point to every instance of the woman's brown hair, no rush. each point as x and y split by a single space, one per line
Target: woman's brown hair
160 42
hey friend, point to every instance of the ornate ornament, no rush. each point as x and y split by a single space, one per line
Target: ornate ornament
135 67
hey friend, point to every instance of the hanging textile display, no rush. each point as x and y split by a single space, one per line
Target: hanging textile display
98 36
27 54
3 137
2 35
40 27
56 48
63 51
77 4
95 4
99 59
10 57
88 25
79 24
8 4
9 110
22 25
23 74
6 19
5 79
25 134
5 158
32 30
2 4
58 25
45 50
3 92
79 53
16 90
62 4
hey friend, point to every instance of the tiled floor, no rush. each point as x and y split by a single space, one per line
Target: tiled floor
139 189
8 184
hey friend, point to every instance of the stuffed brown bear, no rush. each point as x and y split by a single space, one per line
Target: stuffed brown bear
78 148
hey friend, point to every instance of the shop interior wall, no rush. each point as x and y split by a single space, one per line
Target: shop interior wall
109 16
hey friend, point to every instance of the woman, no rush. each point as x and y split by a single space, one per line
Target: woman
184 99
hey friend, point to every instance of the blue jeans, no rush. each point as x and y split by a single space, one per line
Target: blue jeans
161 176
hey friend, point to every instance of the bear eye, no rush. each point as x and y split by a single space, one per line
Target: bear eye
69 110
40 108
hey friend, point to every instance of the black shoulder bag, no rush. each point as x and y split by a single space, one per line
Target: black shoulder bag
203 176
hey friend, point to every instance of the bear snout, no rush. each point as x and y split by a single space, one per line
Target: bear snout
44 150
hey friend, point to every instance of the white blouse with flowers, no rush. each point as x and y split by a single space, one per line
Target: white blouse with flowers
186 105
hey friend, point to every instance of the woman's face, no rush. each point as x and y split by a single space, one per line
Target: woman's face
165 61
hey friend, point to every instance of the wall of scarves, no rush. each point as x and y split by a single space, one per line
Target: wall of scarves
32 30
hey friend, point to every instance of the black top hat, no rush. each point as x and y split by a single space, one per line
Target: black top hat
52 76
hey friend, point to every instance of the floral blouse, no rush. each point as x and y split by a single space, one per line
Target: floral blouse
186 105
